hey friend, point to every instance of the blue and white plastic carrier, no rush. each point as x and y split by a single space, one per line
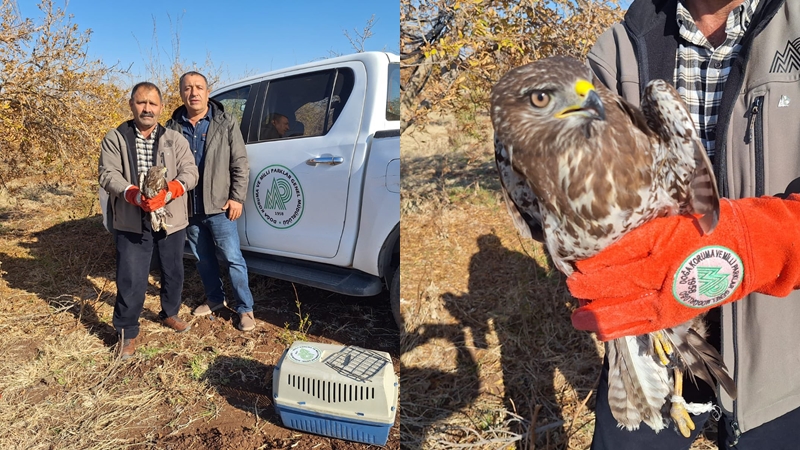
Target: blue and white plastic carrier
339 391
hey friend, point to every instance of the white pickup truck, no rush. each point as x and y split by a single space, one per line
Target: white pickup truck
323 206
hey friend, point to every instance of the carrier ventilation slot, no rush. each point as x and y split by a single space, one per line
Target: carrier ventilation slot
329 391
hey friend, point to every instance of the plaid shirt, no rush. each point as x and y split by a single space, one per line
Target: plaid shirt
144 150
701 69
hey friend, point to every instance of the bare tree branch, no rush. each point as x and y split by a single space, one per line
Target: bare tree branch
357 41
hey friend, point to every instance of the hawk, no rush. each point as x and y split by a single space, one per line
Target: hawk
580 167
151 184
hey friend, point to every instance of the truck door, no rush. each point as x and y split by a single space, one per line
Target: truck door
302 139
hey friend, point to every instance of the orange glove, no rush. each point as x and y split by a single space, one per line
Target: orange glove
666 272
133 196
174 190
153 203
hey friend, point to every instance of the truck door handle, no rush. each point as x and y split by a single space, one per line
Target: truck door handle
329 160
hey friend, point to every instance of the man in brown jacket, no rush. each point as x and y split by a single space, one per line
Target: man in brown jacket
126 151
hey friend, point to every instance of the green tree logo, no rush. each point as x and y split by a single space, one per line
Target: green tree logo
712 283
306 355
277 196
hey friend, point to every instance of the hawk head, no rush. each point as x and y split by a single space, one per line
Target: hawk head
545 100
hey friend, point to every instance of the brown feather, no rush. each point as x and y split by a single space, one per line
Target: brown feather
151 183
712 360
584 174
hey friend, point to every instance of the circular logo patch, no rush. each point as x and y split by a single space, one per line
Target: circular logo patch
304 354
278 196
708 277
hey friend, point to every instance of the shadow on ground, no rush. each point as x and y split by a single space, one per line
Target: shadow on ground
59 263
511 297
72 266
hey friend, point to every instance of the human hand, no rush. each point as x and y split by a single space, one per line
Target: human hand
234 209
666 272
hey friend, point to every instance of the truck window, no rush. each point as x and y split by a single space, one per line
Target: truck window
234 102
304 105
393 93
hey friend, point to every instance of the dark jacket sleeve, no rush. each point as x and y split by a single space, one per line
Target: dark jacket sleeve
613 62
239 166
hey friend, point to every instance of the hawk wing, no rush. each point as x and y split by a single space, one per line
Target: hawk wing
523 207
634 391
154 181
689 175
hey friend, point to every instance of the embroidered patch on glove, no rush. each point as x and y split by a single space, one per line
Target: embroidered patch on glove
708 277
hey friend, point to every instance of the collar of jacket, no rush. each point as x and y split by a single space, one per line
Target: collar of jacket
128 131
654 33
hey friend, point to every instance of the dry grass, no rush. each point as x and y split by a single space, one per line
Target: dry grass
62 385
489 358
50 358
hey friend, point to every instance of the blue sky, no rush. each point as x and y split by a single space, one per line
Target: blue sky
245 37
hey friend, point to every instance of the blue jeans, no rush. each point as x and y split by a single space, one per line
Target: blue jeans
207 236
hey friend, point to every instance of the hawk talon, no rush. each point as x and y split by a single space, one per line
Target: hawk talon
677 409
681 416
662 347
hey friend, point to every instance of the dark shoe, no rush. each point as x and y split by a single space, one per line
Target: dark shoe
176 324
247 322
128 348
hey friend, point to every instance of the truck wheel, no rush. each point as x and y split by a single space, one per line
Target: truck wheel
394 298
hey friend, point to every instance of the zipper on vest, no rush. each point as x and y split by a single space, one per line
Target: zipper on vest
755 134
164 163
733 424
733 433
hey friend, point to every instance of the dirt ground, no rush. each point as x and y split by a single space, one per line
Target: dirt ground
62 387
249 419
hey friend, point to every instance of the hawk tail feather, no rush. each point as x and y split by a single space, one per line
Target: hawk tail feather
701 359
637 385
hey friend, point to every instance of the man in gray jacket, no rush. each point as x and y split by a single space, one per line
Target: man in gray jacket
125 152
736 63
218 199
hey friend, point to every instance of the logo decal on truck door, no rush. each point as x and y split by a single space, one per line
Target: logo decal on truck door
278 196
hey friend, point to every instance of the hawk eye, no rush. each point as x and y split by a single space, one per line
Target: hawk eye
540 99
